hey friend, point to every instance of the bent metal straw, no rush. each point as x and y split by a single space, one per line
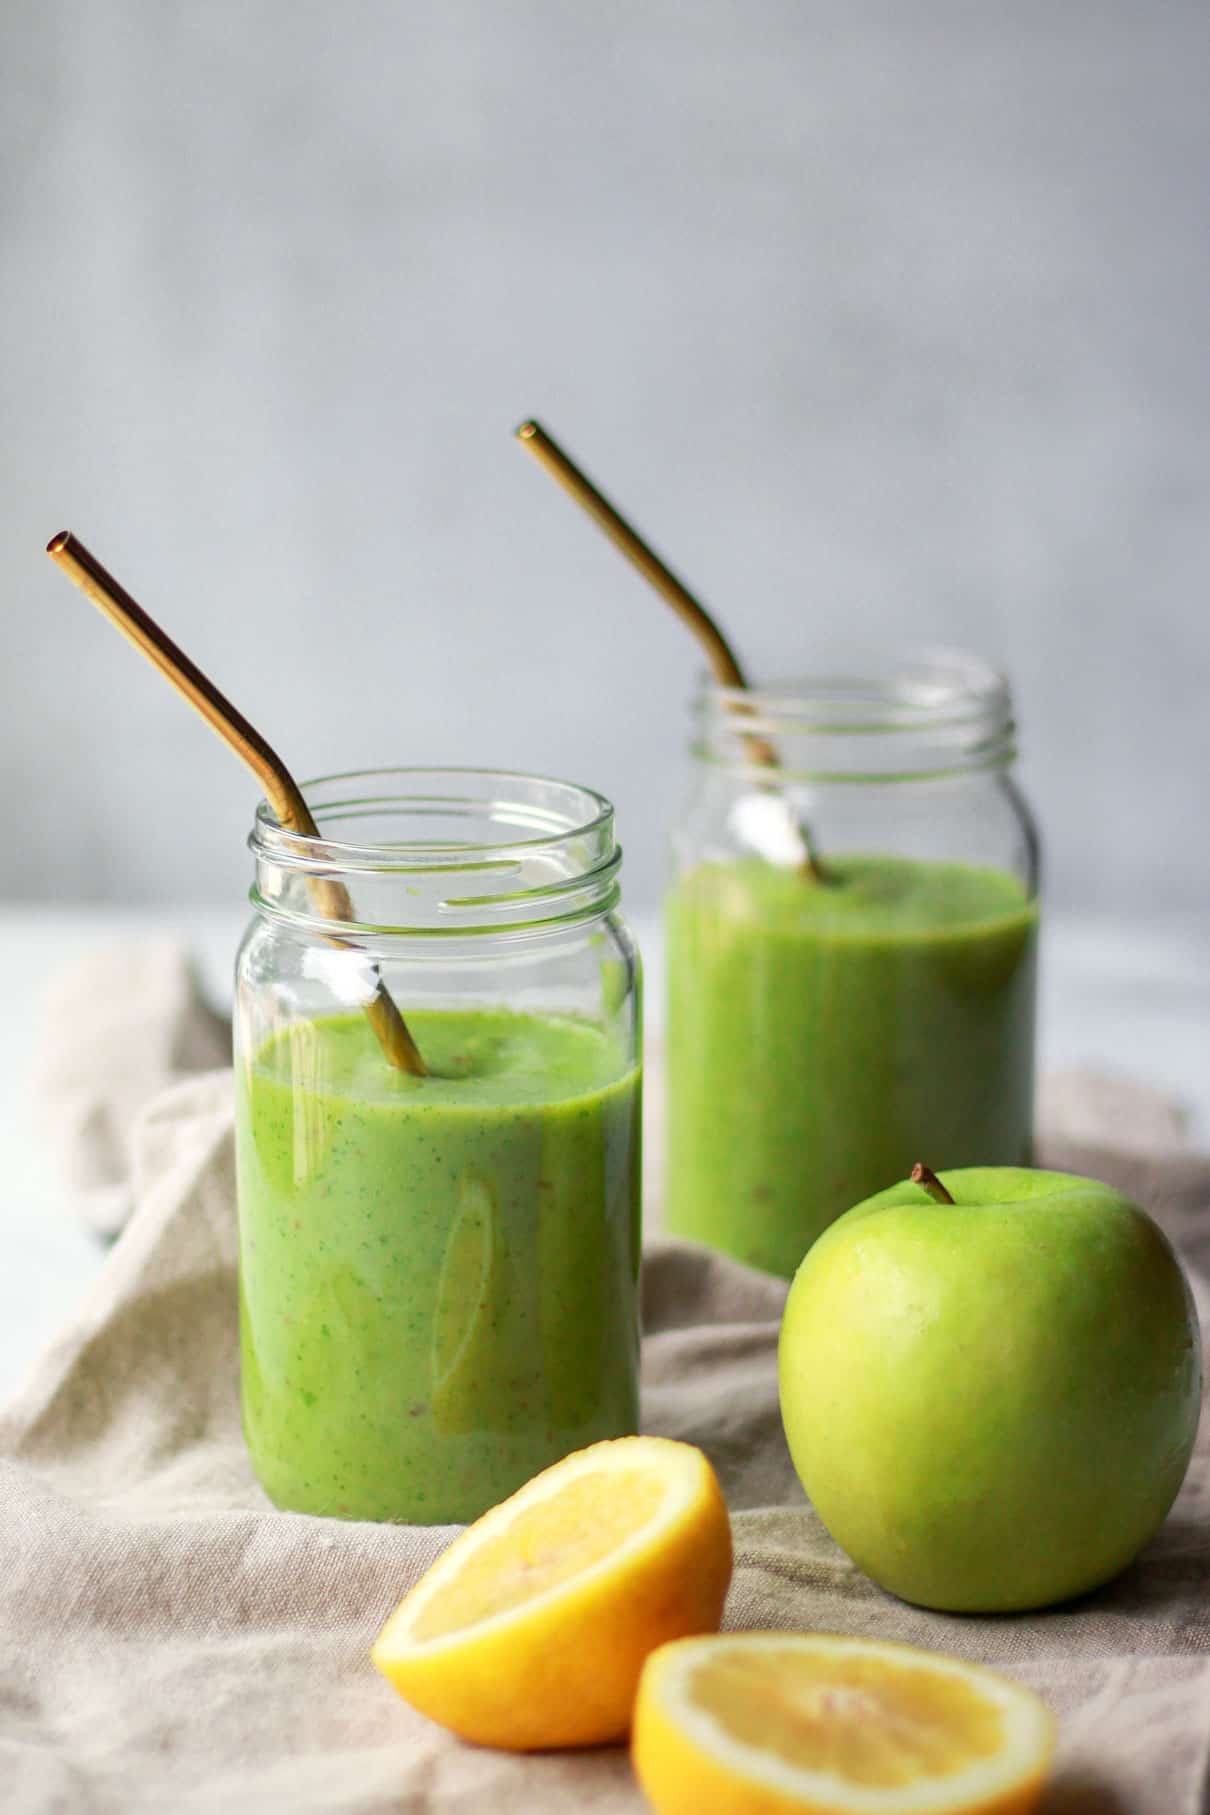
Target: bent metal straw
281 790
724 664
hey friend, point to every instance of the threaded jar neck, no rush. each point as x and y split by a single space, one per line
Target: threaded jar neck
441 853
941 713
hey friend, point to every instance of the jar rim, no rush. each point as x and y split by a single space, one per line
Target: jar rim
926 713
507 852
270 837
915 690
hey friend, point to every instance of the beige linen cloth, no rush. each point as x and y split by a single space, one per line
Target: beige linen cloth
168 1641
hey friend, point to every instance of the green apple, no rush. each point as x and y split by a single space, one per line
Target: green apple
991 1401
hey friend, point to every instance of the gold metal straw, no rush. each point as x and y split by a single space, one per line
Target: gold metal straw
281 790
724 664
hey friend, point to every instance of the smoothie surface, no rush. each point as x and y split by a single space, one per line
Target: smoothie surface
477 1058
871 898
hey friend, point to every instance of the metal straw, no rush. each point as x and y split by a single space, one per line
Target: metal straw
281 790
724 664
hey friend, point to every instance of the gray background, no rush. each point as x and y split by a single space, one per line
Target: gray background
879 317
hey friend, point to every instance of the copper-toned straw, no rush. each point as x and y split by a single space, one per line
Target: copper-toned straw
724 663
281 790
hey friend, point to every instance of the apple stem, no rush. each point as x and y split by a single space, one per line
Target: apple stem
927 1179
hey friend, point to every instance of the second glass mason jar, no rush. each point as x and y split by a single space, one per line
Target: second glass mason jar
437 1274
827 1030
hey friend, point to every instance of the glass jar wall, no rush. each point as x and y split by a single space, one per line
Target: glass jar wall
437 1273
851 931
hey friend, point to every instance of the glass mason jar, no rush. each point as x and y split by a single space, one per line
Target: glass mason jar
437 1273
829 1026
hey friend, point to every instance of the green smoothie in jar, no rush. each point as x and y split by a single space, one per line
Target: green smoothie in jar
830 1026
438 1269
886 1015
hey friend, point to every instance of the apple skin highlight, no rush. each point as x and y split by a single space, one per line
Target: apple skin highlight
991 1404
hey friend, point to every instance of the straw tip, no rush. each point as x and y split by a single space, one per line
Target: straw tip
58 543
525 431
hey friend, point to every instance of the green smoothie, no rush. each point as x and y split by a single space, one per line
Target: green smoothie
437 1275
821 1039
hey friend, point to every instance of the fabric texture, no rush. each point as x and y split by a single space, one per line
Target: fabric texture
120 1026
169 1641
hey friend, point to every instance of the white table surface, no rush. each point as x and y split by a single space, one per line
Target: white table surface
1125 999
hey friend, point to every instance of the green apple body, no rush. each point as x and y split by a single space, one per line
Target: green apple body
991 1403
